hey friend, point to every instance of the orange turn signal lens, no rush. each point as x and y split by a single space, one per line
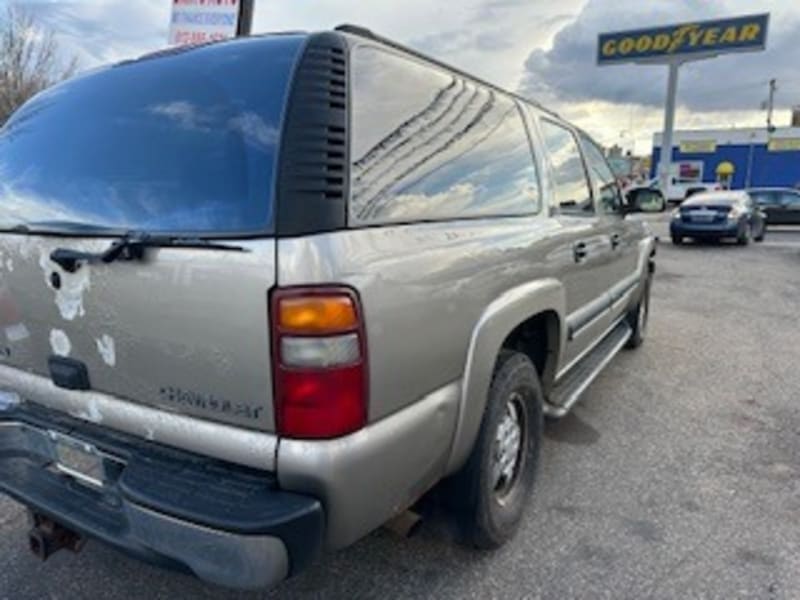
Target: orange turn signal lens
317 314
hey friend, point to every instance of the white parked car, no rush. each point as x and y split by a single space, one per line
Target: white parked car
678 190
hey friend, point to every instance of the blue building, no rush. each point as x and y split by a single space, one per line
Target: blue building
739 158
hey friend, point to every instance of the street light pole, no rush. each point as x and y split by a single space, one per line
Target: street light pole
245 25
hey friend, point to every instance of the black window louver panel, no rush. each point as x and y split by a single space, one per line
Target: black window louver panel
313 169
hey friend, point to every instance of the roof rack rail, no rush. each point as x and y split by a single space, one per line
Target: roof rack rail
356 30
367 33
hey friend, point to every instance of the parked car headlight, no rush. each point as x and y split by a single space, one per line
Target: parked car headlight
735 213
676 214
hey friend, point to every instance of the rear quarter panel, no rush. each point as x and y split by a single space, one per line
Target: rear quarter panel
424 289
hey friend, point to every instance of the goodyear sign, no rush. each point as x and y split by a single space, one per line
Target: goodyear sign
662 44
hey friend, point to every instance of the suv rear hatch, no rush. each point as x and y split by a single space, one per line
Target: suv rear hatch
181 147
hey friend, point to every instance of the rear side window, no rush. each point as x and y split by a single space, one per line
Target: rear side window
427 145
608 198
572 192
181 142
790 199
762 198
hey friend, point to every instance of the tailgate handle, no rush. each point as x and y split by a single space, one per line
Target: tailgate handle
68 373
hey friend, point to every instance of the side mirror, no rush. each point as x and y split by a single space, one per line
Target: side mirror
645 200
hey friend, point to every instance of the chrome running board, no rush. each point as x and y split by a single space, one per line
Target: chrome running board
568 389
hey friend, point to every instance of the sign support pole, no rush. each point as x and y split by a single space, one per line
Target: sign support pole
665 160
245 18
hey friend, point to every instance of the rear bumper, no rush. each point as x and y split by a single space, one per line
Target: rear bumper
227 524
711 230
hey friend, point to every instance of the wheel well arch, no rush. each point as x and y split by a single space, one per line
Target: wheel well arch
539 338
526 312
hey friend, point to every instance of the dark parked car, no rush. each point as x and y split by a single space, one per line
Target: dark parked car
718 215
781 205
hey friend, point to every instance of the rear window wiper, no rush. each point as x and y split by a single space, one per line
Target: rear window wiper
131 247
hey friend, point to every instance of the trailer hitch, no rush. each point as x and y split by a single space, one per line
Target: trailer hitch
47 537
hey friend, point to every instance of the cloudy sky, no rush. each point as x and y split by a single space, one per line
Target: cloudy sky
542 48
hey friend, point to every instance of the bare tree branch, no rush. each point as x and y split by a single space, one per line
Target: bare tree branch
29 61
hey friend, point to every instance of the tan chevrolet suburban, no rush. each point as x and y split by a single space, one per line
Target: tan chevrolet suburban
258 297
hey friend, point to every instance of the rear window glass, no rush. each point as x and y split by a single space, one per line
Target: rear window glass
180 142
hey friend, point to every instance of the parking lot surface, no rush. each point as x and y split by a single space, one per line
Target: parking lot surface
677 476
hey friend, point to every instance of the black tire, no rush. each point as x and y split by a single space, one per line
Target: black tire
639 315
744 235
490 509
677 240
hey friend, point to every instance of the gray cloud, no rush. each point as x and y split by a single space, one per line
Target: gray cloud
568 72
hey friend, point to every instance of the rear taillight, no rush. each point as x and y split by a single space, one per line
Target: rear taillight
319 362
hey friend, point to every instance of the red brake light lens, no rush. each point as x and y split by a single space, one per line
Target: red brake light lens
319 362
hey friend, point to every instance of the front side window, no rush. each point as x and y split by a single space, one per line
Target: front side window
571 188
605 184
185 141
428 145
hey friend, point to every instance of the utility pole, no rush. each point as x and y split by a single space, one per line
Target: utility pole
245 18
770 104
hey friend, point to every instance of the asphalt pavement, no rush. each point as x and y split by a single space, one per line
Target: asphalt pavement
677 476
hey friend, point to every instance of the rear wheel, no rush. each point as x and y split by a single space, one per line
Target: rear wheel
677 240
491 490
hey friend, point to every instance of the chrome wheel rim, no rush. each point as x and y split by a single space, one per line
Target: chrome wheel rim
508 446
